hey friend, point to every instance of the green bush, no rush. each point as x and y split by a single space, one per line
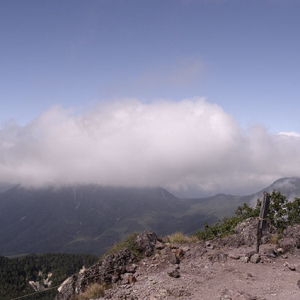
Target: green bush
281 215
226 227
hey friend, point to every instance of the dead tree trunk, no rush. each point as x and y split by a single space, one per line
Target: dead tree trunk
262 221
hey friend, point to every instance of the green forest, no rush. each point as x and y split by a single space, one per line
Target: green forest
15 273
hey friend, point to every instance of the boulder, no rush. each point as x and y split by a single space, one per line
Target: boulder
290 241
245 233
173 259
109 271
218 257
145 242
114 265
247 229
78 283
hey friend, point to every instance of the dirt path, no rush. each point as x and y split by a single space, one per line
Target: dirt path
206 272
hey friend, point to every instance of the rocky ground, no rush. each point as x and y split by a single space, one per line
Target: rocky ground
219 269
207 273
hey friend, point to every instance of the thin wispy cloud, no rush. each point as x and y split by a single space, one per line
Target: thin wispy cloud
183 146
183 73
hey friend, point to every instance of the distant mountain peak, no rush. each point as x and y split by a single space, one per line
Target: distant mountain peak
287 186
287 180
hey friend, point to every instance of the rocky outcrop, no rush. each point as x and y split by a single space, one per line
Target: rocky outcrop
245 233
114 268
109 271
200 270
247 230
36 285
290 240
208 271
41 286
145 242
78 283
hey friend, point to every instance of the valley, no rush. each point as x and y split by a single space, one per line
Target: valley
89 219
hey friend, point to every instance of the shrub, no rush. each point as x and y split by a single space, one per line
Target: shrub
281 215
226 227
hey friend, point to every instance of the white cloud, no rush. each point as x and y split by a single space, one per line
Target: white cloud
290 134
188 145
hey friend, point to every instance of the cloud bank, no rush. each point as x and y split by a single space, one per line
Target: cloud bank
191 145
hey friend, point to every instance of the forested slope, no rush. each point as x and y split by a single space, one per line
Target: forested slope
15 273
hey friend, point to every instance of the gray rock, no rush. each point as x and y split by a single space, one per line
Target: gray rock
244 259
145 242
290 241
115 265
109 271
160 245
272 255
218 257
130 269
246 234
124 278
173 258
174 273
291 267
233 256
250 253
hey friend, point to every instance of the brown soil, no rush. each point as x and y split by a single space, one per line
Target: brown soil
209 272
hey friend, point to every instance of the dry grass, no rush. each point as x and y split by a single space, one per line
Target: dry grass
180 238
275 238
94 291
128 243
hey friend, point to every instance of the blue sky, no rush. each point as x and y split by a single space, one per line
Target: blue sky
242 56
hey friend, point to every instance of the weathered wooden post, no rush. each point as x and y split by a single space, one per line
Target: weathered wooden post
262 221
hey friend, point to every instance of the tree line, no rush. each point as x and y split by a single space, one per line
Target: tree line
15 273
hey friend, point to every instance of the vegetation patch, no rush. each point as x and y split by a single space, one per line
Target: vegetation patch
275 238
282 214
180 238
226 226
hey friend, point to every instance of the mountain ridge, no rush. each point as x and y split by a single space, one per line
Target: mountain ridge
90 218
